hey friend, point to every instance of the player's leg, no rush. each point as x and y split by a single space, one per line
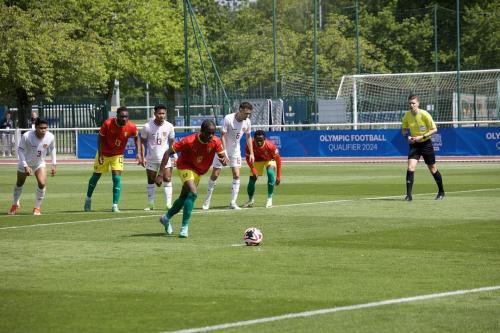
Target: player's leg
430 161
167 185
18 190
413 157
235 186
252 180
190 188
212 182
151 172
116 163
99 169
41 178
271 181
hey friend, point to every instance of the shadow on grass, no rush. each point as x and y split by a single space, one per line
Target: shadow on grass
155 234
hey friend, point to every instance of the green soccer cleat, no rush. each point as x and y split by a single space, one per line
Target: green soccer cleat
88 205
184 232
166 223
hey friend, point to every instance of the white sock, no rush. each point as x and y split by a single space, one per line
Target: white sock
167 189
235 189
151 194
40 194
210 189
17 195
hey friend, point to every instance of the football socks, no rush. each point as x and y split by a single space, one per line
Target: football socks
188 208
92 184
117 188
409 182
251 187
439 180
271 180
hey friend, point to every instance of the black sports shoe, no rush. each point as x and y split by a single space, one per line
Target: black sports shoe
440 196
408 198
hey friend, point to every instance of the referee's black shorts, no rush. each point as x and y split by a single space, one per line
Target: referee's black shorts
423 149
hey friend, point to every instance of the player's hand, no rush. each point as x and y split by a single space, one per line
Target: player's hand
278 181
140 160
254 172
158 180
28 171
251 158
100 159
411 139
224 160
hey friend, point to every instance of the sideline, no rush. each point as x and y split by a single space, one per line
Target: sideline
213 211
335 309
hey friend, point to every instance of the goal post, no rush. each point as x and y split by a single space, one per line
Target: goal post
376 98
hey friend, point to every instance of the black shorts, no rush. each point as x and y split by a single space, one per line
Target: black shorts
423 149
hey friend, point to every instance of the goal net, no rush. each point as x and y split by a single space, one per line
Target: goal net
382 98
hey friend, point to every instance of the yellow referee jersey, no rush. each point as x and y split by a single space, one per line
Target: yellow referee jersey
418 124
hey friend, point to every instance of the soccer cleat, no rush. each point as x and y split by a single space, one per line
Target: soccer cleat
88 205
36 211
248 204
184 232
206 205
13 209
166 223
233 205
115 208
440 196
408 198
149 208
269 202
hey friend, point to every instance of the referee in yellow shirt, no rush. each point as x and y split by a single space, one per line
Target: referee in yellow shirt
421 127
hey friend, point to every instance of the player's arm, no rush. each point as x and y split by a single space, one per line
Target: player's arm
250 147
250 163
53 156
22 157
171 142
164 161
138 146
277 158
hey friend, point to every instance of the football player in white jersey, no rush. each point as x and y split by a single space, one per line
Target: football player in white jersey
158 135
32 150
234 126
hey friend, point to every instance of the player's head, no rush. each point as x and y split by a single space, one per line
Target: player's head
245 111
207 130
259 137
122 115
413 102
41 127
34 115
160 113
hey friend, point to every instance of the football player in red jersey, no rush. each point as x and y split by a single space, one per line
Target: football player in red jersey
196 154
111 143
266 157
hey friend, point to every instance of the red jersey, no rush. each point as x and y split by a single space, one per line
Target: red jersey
267 152
196 155
114 138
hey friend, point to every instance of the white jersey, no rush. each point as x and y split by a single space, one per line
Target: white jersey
32 150
234 131
157 139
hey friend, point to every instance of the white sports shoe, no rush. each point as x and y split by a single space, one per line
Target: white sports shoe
248 204
269 202
206 205
233 205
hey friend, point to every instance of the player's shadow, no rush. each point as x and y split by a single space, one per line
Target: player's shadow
154 234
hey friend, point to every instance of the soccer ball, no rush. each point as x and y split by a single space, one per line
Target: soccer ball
252 236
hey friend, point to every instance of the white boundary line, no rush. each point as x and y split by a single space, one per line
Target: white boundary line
228 210
335 309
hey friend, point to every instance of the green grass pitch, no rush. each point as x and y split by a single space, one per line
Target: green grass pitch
338 235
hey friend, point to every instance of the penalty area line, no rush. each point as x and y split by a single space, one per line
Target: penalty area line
306 314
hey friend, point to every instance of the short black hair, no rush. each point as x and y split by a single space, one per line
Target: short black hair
40 121
413 96
160 107
259 132
206 124
121 109
246 105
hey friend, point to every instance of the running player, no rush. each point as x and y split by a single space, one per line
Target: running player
111 143
234 126
32 150
266 157
197 152
421 127
158 135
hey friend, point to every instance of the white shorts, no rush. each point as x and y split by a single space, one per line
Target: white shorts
155 166
34 167
234 162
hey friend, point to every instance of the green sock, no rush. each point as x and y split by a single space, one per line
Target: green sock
271 180
251 187
117 188
188 208
92 184
176 207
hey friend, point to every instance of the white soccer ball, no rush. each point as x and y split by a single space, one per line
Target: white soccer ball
252 236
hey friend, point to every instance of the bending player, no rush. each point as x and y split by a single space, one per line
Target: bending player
234 126
32 150
158 135
266 157
197 152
